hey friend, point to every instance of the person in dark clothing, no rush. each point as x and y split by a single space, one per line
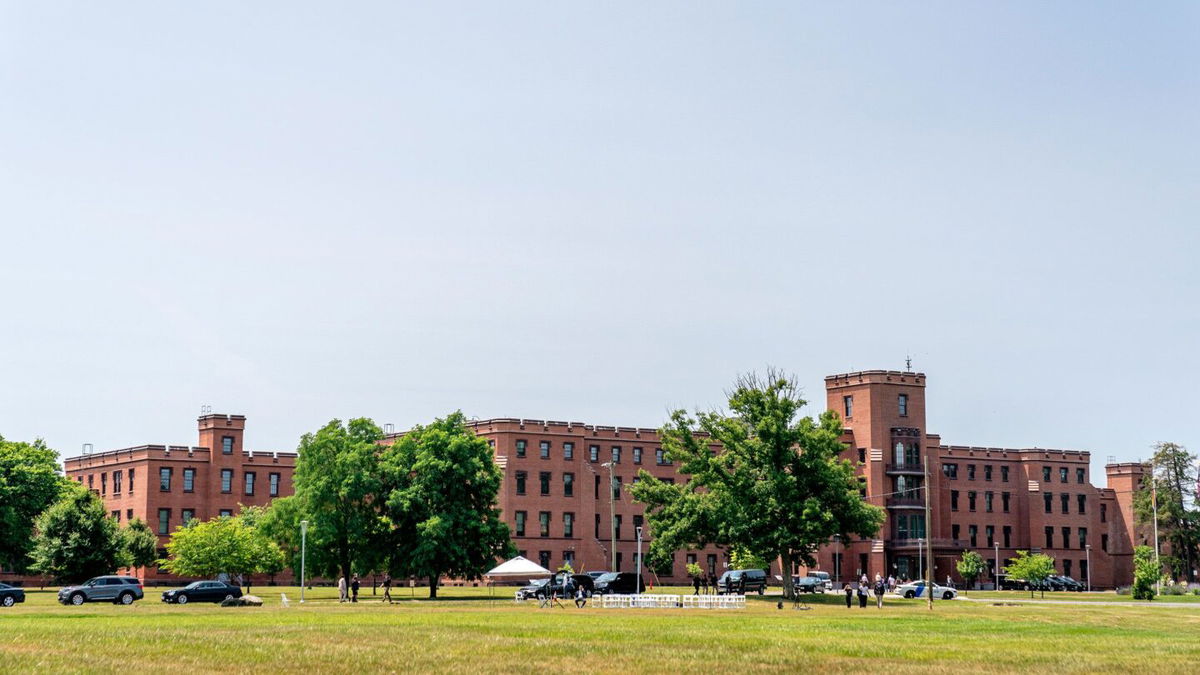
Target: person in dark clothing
580 597
880 587
712 584
862 596
696 585
354 589
387 588
849 595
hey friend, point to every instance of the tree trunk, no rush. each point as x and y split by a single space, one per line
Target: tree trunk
785 565
433 586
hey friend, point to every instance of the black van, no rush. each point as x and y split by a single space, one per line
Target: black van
623 583
742 582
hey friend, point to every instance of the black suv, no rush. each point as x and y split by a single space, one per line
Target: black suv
742 582
563 585
625 583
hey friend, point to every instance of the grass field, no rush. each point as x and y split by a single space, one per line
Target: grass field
465 631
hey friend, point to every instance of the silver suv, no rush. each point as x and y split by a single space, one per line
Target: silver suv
121 590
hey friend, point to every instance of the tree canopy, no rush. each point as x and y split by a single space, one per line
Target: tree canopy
442 504
1172 474
30 481
140 543
971 567
1145 573
226 544
1034 568
759 478
76 539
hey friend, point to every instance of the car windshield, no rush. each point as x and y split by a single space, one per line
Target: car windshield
608 576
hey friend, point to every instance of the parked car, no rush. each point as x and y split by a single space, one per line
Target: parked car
563 585
824 577
11 595
202 591
530 590
596 575
742 582
1062 583
121 590
808 584
1074 584
619 583
916 589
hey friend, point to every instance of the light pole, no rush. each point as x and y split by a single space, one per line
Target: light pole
996 575
639 561
1154 503
612 516
1088 548
303 545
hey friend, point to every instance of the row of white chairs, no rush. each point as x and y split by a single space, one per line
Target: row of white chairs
656 601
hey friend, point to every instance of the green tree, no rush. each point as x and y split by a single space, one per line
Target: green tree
742 559
280 522
694 570
971 567
30 481
338 485
778 487
1145 573
140 543
75 539
1034 569
1172 480
442 503
221 545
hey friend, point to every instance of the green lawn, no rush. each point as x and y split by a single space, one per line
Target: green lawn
466 631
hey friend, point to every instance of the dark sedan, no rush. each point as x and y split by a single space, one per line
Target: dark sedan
202 591
11 595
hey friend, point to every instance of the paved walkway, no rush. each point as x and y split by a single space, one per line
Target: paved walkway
1102 603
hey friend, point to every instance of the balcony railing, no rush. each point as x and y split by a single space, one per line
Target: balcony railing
905 467
906 502
936 542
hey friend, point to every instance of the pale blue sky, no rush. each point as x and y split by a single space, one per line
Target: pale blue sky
300 211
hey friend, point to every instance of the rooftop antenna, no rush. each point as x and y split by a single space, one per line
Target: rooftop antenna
205 409
908 363
87 448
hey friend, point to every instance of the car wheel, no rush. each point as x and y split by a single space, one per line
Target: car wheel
181 599
910 595
8 601
229 596
948 595
126 598
77 599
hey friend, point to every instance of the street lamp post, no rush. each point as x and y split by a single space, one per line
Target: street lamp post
639 561
612 516
996 573
303 545
1088 548
1154 503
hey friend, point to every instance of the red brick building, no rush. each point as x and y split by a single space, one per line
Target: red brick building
167 485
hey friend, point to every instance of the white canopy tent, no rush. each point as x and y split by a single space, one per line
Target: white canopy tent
518 567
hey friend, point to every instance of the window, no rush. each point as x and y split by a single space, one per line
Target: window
1048 502
597 535
910 526
543 523
1049 537
568 484
1004 501
273 484
521 448
987 501
1104 543
1045 474
1104 513
638 521
950 471
116 515
987 472
1066 534
1062 474
544 449
903 401
848 404
164 479
117 483
619 563
128 514
544 482
569 558
1081 503
954 500
568 524
164 521
616 487
520 528
1004 474
970 472
226 513
188 515
189 480
617 526
616 454
596 489
1083 569
91 478
1079 475
521 475
637 455
594 453
103 483
1007 536
1065 500
1067 567
973 535
249 480
971 500
712 564
226 480
660 457
989 532
862 455
955 531
544 559
131 481
690 559
1082 537
568 451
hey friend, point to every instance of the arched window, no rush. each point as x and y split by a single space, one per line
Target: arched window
899 452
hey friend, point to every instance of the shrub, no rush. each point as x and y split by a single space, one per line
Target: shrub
1145 573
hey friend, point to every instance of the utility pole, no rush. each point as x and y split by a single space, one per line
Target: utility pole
612 516
928 539
996 576
1154 503
303 546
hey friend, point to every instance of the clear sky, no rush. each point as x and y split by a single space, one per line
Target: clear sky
596 212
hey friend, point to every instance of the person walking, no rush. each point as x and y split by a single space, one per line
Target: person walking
354 588
862 595
879 589
342 589
891 583
849 594
387 588
712 584
696 585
